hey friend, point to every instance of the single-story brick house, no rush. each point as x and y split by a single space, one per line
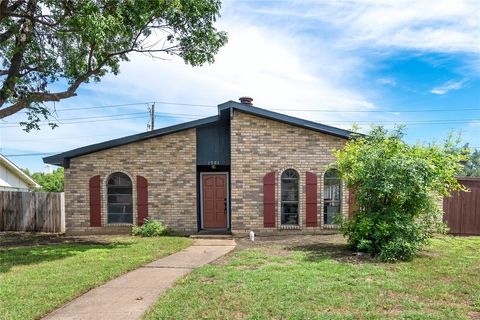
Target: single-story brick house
244 169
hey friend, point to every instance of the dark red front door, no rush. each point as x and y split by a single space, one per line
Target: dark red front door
214 188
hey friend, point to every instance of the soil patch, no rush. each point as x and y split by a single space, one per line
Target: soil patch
316 246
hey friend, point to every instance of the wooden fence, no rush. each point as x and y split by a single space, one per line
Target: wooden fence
32 211
462 209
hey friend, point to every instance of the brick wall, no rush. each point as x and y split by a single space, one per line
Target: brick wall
167 162
260 146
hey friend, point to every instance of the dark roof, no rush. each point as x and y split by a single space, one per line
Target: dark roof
62 159
286 119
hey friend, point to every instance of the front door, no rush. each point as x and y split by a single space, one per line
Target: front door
214 193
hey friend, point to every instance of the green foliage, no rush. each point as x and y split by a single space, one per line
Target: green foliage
397 188
471 167
150 228
51 44
49 182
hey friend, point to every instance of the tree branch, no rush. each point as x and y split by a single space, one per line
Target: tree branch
7 34
17 58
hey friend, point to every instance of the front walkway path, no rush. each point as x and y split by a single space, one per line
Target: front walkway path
129 296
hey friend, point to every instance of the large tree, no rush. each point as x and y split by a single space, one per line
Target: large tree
48 48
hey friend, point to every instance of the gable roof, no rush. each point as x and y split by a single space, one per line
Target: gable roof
18 172
62 159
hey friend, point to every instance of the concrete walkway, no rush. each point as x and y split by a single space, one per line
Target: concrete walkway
129 296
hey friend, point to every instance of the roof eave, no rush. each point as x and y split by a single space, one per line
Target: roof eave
341 133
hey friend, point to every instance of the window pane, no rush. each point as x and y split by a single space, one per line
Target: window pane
122 190
119 179
116 208
120 218
332 191
289 213
120 198
289 195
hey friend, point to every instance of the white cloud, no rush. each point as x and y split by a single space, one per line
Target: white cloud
273 67
441 26
448 86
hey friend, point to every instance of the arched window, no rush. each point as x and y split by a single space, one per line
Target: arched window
331 196
119 203
289 212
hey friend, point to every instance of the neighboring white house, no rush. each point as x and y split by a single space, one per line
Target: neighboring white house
12 178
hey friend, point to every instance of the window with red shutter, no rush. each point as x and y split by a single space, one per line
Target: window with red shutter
311 199
269 200
95 202
142 199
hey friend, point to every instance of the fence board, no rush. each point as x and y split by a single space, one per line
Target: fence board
462 209
31 211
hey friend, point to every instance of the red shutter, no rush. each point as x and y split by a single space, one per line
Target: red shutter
142 199
269 200
95 202
352 207
311 199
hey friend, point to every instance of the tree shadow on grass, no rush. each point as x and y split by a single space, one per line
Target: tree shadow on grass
334 251
27 255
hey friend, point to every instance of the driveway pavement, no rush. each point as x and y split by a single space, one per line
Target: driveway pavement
131 295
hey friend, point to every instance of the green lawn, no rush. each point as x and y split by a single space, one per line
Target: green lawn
36 279
325 281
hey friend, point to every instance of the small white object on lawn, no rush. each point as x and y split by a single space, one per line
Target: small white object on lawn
252 236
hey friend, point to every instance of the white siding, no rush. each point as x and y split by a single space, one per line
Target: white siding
9 181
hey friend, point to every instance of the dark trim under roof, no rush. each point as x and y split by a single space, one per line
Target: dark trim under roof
62 159
286 119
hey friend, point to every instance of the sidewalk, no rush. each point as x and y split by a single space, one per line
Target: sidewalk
129 296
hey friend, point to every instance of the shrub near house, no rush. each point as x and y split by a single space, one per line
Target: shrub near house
395 185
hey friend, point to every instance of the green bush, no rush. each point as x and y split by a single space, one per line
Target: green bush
396 185
150 228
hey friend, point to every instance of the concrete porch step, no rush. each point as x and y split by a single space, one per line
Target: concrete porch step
211 236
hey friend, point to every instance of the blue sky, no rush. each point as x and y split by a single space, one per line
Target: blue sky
382 62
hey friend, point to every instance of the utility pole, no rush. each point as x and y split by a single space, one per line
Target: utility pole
153 117
151 126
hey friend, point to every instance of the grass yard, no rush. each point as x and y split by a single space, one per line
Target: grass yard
321 279
40 273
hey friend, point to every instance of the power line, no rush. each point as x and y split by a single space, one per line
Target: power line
74 122
95 119
311 109
31 154
333 122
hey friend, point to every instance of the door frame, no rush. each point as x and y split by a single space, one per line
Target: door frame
201 198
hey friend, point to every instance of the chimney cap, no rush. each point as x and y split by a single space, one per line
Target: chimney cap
246 100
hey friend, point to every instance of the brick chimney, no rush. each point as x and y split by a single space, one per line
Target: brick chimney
246 100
